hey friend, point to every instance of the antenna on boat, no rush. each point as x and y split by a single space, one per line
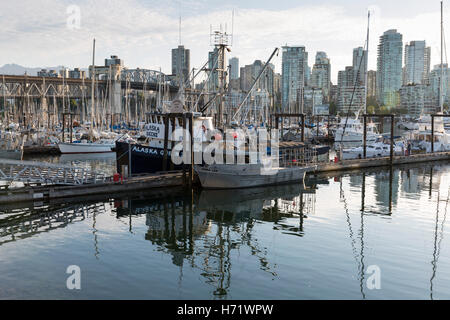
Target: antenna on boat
222 42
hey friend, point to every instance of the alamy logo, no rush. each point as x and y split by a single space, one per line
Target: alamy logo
74 17
74 280
374 280
238 147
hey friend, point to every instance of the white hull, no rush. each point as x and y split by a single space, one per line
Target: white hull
236 176
357 153
75 148
354 137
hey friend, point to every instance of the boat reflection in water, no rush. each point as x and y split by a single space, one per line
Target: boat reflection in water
205 230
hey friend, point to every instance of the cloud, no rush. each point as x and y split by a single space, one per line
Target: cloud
35 33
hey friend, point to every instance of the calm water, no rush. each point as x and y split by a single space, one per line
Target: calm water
251 244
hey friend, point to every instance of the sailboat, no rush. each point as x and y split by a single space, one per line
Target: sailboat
421 138
85 146
351 129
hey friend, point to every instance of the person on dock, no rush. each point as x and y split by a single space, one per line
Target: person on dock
409 149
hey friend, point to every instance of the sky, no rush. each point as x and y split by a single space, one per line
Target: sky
41 33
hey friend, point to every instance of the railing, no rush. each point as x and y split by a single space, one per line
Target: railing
298 157
47 173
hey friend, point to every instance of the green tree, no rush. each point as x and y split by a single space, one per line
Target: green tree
333 108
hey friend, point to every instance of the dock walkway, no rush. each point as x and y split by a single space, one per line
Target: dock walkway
381 162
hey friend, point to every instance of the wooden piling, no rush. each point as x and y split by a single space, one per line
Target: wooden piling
166 141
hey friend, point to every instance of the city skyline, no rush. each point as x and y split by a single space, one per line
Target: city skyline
143 33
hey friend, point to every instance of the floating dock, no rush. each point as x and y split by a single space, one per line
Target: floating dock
165 182
40 150
356 164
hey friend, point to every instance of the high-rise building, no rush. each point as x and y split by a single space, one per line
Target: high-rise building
371 83
307 74
350 94
435 83
321 74
389 68
346 78
234 68
213 83
359 65
417 99
249 73
417 63
294 69
181 64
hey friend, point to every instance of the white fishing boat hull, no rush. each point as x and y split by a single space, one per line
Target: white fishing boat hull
11 154
236 177
83 148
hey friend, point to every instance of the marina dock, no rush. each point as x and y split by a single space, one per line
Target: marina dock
381 162
160 182
165 182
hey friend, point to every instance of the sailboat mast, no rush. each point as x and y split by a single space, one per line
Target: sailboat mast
6 110
93 87
366 73
441 95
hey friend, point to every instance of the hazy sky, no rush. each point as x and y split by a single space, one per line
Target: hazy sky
142 32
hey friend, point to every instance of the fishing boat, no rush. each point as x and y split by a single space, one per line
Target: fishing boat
147 155
293 161
223 176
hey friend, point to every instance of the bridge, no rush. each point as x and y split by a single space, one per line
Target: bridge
14 86
126 94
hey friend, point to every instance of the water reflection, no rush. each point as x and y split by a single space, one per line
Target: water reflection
386 189
22 223
206 231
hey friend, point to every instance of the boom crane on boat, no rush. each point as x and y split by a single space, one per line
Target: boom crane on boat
255 82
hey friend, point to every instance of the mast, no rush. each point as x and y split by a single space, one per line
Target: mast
441 98
366 71
110 100
93 87
6 110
